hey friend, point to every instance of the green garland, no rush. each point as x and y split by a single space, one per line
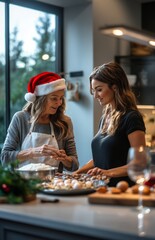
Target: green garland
14 188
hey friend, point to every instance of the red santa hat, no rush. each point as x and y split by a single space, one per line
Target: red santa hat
43 84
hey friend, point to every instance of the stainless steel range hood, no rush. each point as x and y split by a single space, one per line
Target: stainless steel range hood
130 34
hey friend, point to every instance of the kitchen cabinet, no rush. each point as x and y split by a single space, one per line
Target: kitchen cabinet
144 69
14 230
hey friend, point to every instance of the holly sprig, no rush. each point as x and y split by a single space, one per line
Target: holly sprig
14 187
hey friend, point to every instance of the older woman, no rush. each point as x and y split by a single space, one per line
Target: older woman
41 132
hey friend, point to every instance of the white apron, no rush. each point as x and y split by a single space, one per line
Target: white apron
34 139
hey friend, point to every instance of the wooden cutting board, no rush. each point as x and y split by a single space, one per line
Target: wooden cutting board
126 199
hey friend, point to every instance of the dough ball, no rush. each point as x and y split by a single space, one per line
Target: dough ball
122 185
134 189
77 185
146 190
102 189
115 190
88 184
67 181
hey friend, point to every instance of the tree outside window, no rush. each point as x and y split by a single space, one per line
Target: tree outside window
33 44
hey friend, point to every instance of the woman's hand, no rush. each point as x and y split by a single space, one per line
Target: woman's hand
113 172
59 155
99 171
64 158
45 150
96 171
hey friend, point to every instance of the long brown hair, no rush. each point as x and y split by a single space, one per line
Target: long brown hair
113 74
58 120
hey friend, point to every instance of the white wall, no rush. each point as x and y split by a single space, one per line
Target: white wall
79 56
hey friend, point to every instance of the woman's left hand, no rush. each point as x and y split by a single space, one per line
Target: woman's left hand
62 156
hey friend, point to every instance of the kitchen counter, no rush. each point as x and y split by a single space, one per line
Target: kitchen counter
73 217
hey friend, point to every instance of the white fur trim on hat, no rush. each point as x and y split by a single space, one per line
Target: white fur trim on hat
50 87
30 97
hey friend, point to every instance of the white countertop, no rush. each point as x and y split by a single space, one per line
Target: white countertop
76 214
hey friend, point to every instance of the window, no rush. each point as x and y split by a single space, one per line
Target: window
33 34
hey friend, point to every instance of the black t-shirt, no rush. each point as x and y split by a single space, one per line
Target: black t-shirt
111 151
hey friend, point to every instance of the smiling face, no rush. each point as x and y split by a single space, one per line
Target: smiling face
53 102
102 92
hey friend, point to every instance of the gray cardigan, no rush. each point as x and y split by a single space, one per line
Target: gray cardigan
19 128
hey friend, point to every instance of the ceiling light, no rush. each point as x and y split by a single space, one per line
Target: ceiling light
130 34
152 43
117 32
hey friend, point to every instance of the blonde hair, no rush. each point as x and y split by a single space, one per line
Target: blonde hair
113 74
58 120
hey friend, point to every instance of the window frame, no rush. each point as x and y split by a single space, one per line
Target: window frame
49 8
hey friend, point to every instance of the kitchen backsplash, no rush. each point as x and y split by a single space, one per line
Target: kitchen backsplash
148 112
